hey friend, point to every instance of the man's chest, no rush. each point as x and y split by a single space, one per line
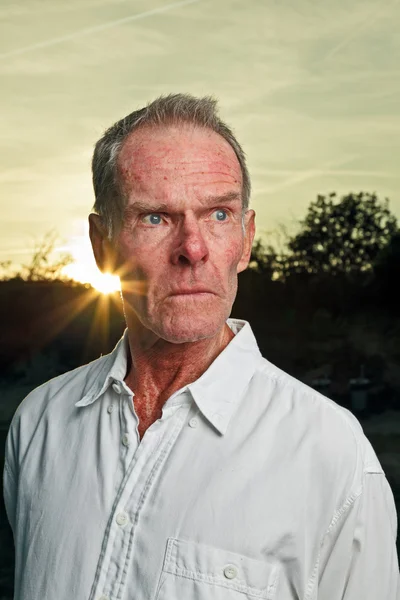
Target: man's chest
184 500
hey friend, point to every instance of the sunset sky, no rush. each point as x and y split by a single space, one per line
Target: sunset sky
311 87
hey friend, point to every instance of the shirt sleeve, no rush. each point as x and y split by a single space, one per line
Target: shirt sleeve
358 557
9 483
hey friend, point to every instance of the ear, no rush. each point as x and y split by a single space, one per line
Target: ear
103 250
249 232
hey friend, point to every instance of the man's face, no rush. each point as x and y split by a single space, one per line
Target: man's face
182 234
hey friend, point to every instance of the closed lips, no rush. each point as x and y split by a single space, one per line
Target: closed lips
194 291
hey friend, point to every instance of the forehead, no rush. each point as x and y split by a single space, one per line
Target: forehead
159 159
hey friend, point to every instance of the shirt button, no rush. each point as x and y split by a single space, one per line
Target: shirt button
230 572
116 387
125 440
193 422
110 409
122 519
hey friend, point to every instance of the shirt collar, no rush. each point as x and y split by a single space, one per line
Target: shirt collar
114 369
217 392
220 389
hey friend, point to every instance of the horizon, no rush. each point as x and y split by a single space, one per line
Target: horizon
310 90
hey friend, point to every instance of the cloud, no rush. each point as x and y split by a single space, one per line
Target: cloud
306 174
91 30
362 28
328 171
306 86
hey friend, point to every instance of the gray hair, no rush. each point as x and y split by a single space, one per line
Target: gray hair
172 109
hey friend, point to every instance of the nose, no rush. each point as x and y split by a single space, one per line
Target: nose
191 247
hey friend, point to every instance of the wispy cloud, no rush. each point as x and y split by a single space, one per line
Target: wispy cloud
91 30
298 173
361 29
309 87
306 174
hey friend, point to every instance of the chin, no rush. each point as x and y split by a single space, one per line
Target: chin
179 329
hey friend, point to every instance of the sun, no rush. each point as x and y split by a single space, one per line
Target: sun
84 268
106 283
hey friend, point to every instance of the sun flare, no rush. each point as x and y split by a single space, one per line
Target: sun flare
106 283
84 268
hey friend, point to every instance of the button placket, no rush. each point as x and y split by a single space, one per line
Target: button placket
131 497
125 425
122 519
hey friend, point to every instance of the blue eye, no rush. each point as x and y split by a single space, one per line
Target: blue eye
220 215
152 219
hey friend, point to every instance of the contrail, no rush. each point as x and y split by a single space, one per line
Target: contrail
301 176
372 17
327 172
90 30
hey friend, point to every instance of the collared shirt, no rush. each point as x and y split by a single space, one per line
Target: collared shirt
250 485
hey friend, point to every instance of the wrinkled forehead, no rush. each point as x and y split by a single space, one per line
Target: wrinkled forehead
171 153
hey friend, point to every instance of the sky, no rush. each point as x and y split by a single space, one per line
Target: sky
310 87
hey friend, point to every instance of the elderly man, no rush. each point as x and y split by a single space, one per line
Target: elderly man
184 465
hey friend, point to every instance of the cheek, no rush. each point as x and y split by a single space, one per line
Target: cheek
128 257
140 261
232 255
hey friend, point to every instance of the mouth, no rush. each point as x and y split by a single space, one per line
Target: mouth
192 292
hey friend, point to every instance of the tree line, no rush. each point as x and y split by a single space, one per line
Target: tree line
349 235
353 235
345 253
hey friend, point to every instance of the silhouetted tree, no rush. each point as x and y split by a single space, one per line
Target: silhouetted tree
6 270
42 267
264 258
344 236
387 263
386 283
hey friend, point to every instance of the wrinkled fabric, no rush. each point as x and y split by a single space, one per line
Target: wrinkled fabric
250 485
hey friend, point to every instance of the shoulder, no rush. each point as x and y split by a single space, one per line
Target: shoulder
332 431
58 395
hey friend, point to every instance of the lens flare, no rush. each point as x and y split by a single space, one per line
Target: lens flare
84 268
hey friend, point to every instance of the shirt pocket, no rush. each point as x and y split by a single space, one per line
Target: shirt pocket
200 572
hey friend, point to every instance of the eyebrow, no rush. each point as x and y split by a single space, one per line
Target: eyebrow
225 198
141 207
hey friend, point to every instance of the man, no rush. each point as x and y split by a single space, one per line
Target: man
184 465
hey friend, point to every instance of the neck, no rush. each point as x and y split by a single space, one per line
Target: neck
158 368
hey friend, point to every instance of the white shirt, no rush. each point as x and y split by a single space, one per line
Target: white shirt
250 485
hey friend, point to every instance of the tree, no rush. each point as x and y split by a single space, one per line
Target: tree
6 270
387 275
340 237
42 266
268 253
263 258
387 263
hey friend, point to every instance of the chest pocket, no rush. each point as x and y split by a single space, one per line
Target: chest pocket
193 571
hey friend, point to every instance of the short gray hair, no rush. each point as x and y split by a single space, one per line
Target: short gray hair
172 109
